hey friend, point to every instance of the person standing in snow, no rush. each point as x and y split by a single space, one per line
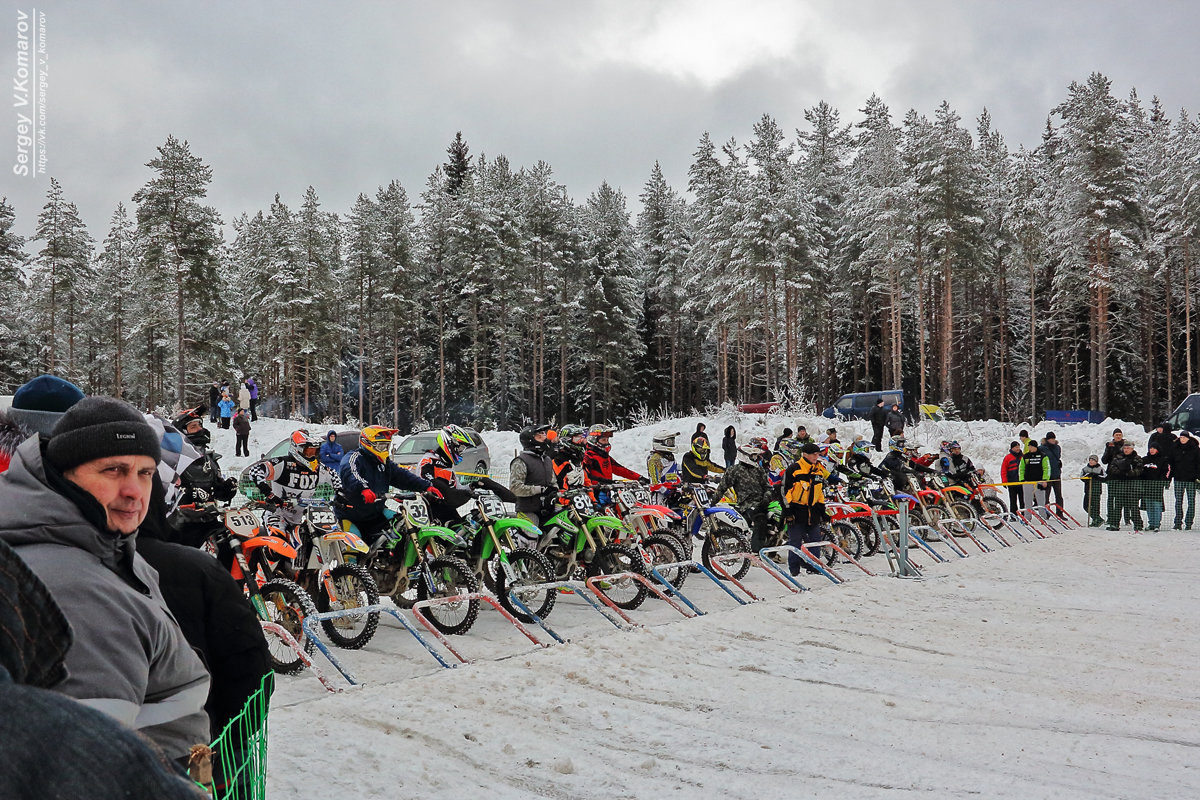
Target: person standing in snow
1185 469
227 406
241 432
214 397
244 397
1156 474
1010 476
729 446
252 385
1092 475
878 419
1123 471
1053 453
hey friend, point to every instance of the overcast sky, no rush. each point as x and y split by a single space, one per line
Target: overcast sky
347 96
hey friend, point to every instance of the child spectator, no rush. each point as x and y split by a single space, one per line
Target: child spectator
227 405
1092 475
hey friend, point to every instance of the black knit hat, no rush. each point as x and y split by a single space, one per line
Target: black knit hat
810 448
100 427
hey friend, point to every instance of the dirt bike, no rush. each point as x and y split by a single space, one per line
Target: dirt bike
853 494
413 560
941 502
578 539
326 567
839 530
718 529
982 502
274 598
492 553
647 527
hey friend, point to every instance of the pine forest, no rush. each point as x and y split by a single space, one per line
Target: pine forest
853 253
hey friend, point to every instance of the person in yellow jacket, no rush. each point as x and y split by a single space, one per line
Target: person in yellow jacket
804 502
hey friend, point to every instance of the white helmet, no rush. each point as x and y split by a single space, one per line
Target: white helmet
750 454
664 442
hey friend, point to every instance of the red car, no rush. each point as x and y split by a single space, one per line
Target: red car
757 408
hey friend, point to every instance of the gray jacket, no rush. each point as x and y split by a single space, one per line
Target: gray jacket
129 658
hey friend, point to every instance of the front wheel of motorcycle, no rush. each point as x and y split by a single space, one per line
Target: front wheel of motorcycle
353 588
287 605
723 540
451 579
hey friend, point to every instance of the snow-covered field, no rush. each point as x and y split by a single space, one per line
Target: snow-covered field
1062 668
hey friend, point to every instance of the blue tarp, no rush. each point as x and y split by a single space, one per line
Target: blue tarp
1071 417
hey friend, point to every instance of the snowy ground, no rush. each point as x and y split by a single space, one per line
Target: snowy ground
1062 668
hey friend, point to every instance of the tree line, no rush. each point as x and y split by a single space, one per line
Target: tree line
845 257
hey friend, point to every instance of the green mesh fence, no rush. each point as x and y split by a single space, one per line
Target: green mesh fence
240 752
1133 504
324 491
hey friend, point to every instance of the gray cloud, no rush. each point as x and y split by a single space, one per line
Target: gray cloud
279 95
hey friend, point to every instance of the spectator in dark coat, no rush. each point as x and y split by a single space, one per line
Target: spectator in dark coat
729 446
1010 473
241 431
878 422
895 420
1113 448
699 434
214 397
1156 471
1185 469
1053 453
1162 438
787 434
1123 496
331 452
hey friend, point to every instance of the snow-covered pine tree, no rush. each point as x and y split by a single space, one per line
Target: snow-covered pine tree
61 277
182 240
16 346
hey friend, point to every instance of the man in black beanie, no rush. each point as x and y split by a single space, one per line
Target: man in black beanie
71 506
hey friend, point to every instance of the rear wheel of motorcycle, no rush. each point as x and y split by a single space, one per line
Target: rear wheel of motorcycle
614 559
529 567
962 510
665 549
287 605
724 540
451 577
354 588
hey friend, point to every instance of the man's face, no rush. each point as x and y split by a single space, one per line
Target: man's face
194 426
121 484
1118 436
811 458
540 436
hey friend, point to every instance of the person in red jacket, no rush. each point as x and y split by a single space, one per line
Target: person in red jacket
598 464
1010 472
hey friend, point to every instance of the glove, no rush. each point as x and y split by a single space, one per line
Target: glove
369 497
274 500
774 511
432 491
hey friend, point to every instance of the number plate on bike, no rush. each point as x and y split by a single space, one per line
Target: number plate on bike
491 505
323 519
701 495
628 498
241 523
583 504
416 511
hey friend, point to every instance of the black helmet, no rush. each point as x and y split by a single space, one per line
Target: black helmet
531 444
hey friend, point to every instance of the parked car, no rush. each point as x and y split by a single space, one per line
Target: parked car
859 404
757 408
408 451
1187 415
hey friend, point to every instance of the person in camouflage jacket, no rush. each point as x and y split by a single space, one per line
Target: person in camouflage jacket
748 479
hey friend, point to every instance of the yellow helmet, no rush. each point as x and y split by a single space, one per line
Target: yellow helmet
378 440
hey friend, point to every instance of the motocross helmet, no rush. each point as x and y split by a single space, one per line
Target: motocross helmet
378 440
530 442
452 441
897 444
664 442
700 449
304 448
750 454
951 446
791 448
571 438
860 446
599 437
836 451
